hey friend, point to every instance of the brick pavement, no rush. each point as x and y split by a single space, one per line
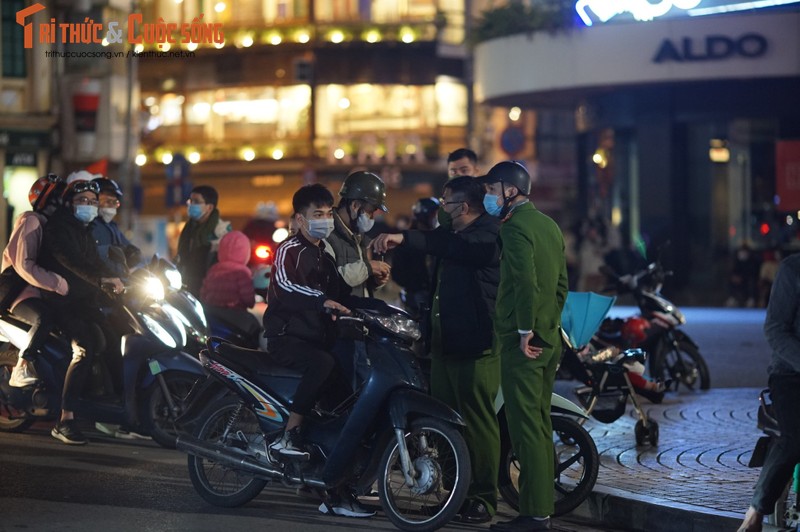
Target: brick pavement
700 463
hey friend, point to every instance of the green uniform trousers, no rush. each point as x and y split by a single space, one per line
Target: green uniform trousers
527 386
470 387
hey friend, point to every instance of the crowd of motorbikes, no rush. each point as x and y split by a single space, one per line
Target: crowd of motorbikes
196 381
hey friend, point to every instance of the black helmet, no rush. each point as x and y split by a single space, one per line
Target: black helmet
108 185
365 186
511 173
424 208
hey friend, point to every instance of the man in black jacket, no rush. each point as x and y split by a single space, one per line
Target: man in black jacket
69 250
464 372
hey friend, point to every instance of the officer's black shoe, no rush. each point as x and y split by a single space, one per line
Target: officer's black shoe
475 513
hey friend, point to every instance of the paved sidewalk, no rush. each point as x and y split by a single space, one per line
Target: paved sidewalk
696 479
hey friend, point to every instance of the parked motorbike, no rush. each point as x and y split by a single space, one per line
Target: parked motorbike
156 375
673 355
389 430
787 509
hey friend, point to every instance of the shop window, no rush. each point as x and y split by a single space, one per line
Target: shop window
555 137
13 57
380 11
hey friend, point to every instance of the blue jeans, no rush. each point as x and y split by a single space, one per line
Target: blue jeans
784 452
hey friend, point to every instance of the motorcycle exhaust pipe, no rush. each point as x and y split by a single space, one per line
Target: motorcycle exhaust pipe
210 451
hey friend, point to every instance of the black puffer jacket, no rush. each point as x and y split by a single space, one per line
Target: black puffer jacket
468 272
69 249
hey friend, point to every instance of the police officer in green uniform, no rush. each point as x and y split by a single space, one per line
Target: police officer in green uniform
465 372
532 291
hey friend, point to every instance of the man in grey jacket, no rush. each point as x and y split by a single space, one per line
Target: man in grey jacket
362 194
782 329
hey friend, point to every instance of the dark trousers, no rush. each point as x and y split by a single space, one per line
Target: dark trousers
322 377
81 324
784 452
36 313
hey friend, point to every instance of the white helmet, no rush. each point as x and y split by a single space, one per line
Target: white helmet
81 175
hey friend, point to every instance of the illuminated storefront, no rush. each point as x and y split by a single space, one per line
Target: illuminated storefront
681 108
305 90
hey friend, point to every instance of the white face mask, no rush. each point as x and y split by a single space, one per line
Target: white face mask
364 222
107 214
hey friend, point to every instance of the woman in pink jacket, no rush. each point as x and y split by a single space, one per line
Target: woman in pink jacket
21 254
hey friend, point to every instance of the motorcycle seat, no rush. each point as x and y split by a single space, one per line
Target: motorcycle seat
260 362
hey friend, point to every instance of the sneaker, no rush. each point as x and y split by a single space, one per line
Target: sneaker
346 507
67 431
126 433
106 428
289 445
21 376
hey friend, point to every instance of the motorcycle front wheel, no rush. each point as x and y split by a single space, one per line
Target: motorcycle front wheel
684 365
11 419
576 465
232 425
157 416
440 460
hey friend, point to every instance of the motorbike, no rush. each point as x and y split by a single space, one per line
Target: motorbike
787 509
673 355
156 376
389 430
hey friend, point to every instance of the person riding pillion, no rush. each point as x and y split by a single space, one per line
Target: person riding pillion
107 233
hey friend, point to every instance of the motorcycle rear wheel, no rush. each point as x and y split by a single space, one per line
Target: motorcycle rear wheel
441 461
156 416
576 466
216 483
11 419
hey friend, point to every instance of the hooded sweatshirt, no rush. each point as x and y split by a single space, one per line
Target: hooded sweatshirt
229 282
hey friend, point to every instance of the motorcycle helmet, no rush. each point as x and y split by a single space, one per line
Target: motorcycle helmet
108 185
425 208
510 173
634 330
365 186
81 175
42 190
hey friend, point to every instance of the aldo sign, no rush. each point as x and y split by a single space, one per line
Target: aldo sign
712 48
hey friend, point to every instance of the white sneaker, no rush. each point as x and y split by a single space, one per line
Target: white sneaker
127 434
347 507
288 445
22 376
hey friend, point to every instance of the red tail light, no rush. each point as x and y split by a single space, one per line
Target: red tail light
263 252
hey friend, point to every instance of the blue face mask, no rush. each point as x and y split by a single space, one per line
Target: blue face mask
195 211
85 213
490 204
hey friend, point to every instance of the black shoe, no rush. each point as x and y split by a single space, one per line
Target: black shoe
475 512
653 396
67 431
522 523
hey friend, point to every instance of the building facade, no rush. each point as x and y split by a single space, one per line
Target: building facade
686 122
303 91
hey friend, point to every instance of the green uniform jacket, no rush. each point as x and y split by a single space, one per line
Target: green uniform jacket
533 278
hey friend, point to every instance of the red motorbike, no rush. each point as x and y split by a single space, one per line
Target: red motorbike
673 355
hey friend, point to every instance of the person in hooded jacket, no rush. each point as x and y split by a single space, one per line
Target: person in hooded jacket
21 253
228 285
69 250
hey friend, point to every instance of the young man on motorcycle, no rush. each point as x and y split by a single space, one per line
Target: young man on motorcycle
782 329
69 250
531 295
22 253
298 330
465 373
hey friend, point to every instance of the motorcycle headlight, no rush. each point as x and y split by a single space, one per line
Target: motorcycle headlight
154 288
400 325
160 332
198 308
180 321
174 278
